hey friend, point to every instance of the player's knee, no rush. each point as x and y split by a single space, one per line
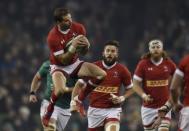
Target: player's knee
102 75
59 81
112 126
149 129
59 91
164 126
163 129
57 74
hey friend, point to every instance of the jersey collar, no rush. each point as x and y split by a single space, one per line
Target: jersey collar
108 67
157 63
63 32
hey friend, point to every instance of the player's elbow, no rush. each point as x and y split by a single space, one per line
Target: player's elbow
136 85
102 75
37 77
80 84
63 60
134 88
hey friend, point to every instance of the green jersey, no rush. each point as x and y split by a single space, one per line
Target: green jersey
64 100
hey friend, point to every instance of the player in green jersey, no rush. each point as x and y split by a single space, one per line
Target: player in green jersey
61 112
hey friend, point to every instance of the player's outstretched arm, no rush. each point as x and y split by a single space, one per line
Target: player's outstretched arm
129 92
36 82
176 86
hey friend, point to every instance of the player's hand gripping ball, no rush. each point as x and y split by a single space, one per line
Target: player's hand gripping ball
81 44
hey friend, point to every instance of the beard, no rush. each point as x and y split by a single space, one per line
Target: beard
156 56
109 62
65 27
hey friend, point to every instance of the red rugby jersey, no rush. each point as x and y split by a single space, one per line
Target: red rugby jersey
57 40
117 75
155 80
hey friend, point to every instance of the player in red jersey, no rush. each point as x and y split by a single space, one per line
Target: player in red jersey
151 81
180 86
64 60
104 108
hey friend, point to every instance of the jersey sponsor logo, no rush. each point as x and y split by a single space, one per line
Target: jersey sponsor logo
106 89
157 83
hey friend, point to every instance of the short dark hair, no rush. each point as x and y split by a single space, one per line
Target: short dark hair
59 13
113 43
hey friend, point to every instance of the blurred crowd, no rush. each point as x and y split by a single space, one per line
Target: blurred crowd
23 29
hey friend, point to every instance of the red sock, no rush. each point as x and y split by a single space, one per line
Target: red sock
50 109
84 93
53 98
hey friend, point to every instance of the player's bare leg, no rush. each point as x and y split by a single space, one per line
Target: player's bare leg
149 129
96 73
164 126
112 126
59 83
91 70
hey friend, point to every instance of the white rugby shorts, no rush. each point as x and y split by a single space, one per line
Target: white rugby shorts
67 69
98 116
149 114
184 119
60 115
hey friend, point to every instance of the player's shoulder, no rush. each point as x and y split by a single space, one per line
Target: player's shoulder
120 65
77 24
98 63
46 64
144 61
78 28
52 33
53 30
185 58
169 61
